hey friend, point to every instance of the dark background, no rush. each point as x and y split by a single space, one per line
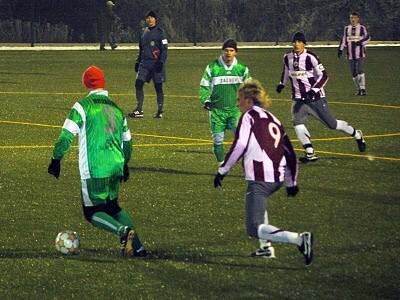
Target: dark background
197 20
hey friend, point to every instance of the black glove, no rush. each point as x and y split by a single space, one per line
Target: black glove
279 88
54 168
136 67
310 96
218 180
292 191
339 53
358 43
125 177
159 66
207 105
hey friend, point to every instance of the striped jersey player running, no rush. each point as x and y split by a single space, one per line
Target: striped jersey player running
355 38
308 77
269 161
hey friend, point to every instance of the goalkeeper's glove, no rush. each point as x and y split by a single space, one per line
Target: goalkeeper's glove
218 180
54 167
339 53
292 191
279 88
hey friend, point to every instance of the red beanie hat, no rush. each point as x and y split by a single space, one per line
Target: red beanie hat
93 78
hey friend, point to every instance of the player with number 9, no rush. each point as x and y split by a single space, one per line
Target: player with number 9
269 162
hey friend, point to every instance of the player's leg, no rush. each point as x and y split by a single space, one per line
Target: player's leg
142 76
94 199
256 213
354 74
218 125
131 238
158 86
322 112
300 112
361 77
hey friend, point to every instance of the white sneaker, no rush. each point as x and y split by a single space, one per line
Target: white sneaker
264 252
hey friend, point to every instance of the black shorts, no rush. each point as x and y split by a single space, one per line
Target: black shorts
110 207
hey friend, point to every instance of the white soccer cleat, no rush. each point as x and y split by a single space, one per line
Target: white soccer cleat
264 252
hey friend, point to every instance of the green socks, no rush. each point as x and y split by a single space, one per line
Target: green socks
219 152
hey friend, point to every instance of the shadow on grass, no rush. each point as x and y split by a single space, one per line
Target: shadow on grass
106 256
172 171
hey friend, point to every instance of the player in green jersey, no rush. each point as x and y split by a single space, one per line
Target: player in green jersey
105 148
218 93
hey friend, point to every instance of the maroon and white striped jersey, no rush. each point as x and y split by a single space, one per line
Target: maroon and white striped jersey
305 72
354 39
267 152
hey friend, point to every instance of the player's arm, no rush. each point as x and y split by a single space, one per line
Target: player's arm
71 127
291 161
343 41
246 75
205 86
163 47
239 144
320 72
139 57
126 142
284 74
366 37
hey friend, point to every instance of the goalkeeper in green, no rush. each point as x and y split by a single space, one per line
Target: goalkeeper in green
218 93
105 148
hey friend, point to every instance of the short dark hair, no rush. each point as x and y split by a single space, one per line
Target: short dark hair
354 13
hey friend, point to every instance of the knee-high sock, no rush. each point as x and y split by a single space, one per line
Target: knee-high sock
265 243
124 218
356 82
361 80
160 96
274 234
304 137
219 152
104 221
345 127
139 94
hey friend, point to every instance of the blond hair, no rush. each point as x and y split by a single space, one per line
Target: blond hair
252 89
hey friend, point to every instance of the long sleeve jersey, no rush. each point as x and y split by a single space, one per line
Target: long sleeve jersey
220 83
153 46
267 152
354 39
305 72
105 142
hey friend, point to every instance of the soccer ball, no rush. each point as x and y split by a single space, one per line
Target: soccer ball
67 242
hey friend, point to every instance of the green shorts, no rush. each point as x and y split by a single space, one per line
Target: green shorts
97 191
222 119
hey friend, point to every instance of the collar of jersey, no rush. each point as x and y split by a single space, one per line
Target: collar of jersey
99 92
226 67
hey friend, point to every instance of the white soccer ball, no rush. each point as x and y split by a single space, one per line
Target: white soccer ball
68 242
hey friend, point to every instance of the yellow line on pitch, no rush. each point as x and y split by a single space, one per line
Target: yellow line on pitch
191 96
366 156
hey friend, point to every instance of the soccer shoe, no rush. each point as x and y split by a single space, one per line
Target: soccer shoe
308 158
358 93
306 247
113 47
158 115
264 252
140 252
126 242
102 49
362 93
362 146
136 114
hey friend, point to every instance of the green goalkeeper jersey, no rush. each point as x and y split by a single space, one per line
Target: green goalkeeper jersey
220 83
105 142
